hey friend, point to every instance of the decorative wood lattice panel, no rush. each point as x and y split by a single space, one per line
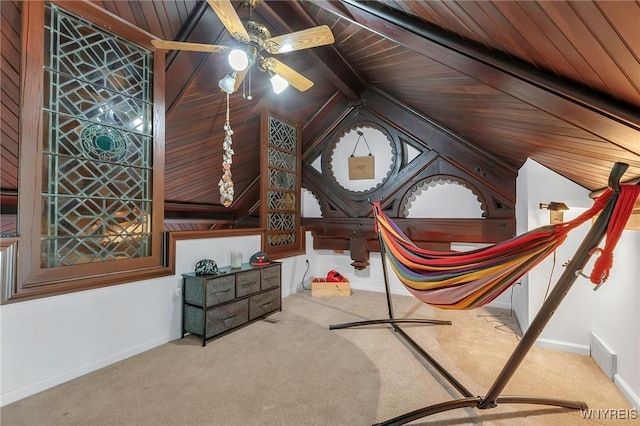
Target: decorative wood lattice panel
283 177
96 193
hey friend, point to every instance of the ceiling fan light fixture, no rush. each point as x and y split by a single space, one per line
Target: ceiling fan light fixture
278 83
238 59
228 83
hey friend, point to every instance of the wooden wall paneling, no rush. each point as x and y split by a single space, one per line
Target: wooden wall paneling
121 9
8 224
10 48
323 125
182 225
10 30
109 22
170 19
151 20
246 204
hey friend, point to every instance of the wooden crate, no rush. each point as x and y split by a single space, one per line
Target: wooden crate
321 288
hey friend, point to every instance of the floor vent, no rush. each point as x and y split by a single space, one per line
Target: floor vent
603 356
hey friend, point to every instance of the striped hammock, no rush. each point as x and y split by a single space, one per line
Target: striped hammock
468 280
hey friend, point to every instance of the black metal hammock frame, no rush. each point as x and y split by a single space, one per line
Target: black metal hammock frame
410 261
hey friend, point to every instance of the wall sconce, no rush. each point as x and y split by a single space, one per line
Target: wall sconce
556 211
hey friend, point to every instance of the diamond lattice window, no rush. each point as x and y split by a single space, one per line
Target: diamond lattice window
97 146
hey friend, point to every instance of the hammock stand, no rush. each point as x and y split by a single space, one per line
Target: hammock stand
493 396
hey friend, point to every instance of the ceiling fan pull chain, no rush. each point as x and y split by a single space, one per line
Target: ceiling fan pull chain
225 185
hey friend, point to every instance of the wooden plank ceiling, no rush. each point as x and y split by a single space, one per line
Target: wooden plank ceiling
556 81
507 91
499 76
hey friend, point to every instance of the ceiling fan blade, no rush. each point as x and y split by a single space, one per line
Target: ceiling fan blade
305 39
230 19
293 77
194 47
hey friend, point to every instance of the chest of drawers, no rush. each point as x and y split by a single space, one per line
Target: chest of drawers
216 304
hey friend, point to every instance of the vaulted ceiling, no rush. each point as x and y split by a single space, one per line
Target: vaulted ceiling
555 81
558 82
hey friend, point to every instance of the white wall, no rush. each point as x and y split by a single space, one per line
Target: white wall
49 341
544 186
615 314
521 289
612 312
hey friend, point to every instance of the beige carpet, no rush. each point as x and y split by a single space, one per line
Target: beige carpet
290 369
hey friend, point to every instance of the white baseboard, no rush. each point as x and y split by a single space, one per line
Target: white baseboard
289 291
632 397
42 385
500 305
522 324
564 346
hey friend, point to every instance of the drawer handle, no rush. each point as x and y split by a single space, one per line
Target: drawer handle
221 292
267 304
227 321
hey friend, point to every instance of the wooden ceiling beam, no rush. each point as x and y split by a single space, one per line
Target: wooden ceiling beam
444 230
595 113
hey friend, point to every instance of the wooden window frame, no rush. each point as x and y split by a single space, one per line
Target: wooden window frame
32 281
300 246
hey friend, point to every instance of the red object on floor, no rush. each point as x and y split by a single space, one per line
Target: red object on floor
335 277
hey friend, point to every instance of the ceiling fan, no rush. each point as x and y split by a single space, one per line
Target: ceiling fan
258 41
